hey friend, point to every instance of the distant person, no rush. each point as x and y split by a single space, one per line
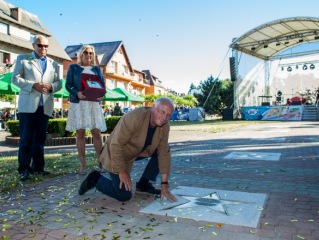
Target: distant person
289 102
84 115
8 63
117 110
6 116
38 78
141 133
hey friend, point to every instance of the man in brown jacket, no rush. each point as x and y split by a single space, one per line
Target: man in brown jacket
141 133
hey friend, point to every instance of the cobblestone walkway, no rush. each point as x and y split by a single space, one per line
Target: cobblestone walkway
54 210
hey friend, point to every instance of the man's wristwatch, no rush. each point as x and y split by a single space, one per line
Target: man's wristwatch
164 183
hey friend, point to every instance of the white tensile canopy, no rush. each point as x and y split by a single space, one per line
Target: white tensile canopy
271 38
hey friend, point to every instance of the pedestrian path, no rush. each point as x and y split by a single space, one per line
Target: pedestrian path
271 170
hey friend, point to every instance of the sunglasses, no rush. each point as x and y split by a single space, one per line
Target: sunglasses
42 46
87 53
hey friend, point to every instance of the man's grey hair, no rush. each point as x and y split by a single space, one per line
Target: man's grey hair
164 99
37 37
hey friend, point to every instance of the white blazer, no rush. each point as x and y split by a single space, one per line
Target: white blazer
26 72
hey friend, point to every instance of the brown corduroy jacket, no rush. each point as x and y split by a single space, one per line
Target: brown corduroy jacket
127 140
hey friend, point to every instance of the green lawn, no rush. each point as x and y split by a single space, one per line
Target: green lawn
57 164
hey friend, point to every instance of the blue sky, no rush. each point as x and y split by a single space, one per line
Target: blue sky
179 41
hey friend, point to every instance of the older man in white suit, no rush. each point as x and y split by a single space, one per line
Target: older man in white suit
38 78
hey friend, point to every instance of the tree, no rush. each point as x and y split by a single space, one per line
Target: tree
7 98
216 95
187 100
192 86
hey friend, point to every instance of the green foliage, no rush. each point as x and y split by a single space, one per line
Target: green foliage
150 98
188 100
13 127
57 126
216 94
7 98
111 123
192 86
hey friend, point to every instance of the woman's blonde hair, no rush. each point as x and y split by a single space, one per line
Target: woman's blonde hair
83 48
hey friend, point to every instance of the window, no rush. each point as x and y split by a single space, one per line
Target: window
136 77
4 28
4 57
122 85
36 23
112 83
114 66
17 32
124 69
32 36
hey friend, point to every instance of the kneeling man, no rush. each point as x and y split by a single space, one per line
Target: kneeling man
139 134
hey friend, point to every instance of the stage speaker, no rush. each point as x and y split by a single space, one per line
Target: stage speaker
265 104
228 114
233 69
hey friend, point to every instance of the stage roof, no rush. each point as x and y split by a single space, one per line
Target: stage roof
268 40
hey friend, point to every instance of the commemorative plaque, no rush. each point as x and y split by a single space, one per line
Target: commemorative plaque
92 87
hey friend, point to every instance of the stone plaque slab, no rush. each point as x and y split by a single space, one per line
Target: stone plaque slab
265 156
211 205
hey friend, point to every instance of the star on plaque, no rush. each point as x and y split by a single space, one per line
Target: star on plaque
211 205
211 201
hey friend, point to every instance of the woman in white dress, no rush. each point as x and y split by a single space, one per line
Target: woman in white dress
84 115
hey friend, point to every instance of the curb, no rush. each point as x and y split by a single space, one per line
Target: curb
58 141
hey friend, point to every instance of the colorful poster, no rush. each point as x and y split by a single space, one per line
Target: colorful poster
288 113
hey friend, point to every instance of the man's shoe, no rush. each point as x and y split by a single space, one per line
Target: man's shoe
148 189
89 182
24 175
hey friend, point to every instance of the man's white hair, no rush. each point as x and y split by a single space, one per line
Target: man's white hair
164 99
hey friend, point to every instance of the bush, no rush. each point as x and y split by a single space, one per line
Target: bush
57 126
111 123
13 127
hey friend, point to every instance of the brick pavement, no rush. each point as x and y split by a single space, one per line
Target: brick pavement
54 210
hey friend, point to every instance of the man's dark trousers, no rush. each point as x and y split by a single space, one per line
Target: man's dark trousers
110 187
33 129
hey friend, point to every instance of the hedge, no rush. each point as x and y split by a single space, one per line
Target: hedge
57 126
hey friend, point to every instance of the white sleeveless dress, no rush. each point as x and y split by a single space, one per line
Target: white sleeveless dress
85 114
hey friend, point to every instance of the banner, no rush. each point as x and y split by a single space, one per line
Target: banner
253 113
287 113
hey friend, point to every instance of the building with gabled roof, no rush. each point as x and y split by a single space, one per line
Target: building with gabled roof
17 30
116 67
156 86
